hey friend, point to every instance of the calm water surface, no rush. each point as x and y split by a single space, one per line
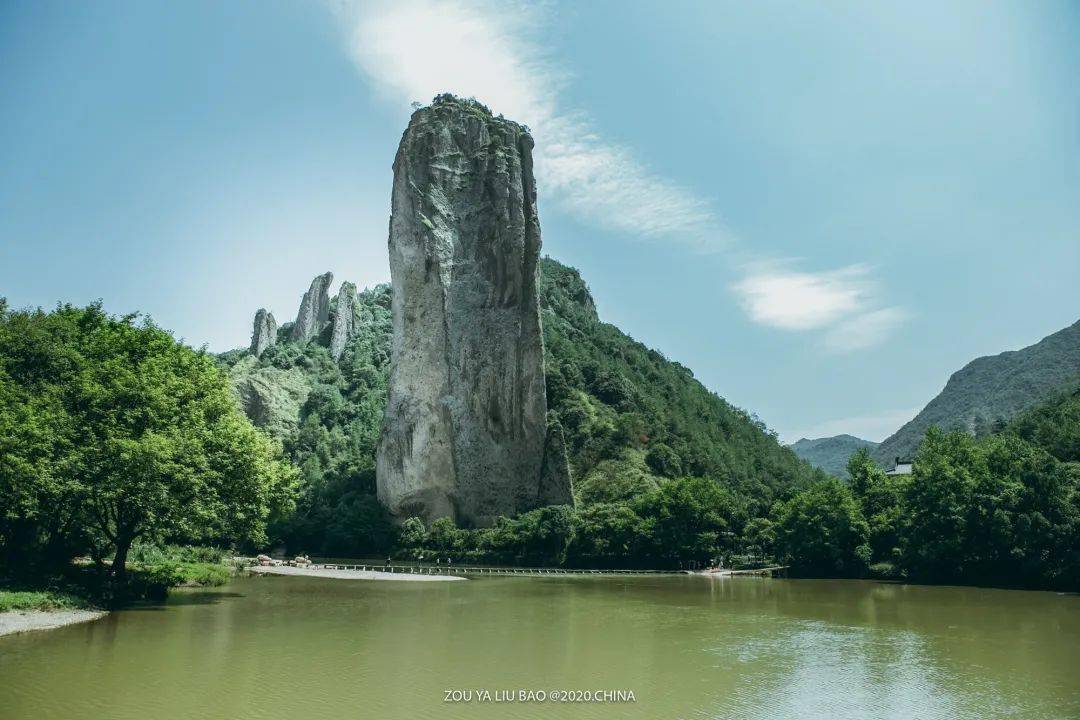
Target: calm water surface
688 647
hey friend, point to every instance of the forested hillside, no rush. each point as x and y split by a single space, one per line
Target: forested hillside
631 418
989 391
1000 509
831 453
327 415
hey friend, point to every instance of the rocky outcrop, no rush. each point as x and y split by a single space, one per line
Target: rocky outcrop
269 396
314 310
465 429
344 319
555 486
264 334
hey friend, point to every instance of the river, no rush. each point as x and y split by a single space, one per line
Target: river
686 647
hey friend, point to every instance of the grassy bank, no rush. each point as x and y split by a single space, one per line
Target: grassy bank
45 600
181 574
169 566
152 571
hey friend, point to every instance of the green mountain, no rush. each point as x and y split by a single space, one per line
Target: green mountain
831 453
631 418
987 392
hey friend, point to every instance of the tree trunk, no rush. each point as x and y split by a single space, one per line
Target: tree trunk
119 563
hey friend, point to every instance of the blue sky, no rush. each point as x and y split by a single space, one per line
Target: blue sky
823 209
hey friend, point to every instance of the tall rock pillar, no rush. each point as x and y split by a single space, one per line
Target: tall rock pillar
264 333
314 311
464 434
344 320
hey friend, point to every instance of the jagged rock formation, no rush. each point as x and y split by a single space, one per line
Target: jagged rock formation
629 417
264 334
465 429
344 319
314 309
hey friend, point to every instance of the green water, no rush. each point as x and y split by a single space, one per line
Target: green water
688 647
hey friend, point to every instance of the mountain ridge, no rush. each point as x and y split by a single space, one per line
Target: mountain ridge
830 453
990 390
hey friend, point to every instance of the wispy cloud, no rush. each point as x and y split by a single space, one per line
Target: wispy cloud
864 330
414 49
843 303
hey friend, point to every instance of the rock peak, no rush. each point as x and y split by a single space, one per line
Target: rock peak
465 430
264 333
314 309
344 319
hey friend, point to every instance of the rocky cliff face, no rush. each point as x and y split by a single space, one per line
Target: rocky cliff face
344 319
465 430
314 309
264 334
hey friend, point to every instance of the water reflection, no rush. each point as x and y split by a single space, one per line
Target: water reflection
687 646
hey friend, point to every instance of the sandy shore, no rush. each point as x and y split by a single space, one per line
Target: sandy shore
351 574
18 621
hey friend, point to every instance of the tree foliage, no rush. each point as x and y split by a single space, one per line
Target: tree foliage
111 431
1002 509
822 531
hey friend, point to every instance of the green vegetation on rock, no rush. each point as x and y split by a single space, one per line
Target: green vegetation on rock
639 431
327 416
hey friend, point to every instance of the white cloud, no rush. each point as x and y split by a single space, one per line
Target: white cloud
413 50
864 330
791 300
842 302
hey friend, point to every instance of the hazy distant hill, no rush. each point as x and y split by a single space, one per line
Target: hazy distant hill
989 391
831 453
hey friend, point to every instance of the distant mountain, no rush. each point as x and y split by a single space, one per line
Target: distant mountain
987 392
831 453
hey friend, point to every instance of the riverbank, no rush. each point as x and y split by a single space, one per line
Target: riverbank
19 621
26 610
350 574
772 571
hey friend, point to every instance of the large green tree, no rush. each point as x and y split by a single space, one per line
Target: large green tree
609 535
111 430
692 520
821 531
938 504
881 498
998 509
